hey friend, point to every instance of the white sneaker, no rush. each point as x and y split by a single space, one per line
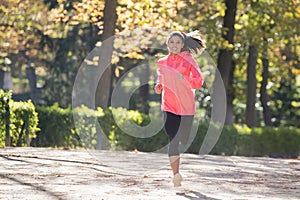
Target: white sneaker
177 180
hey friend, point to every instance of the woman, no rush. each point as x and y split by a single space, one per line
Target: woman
178 76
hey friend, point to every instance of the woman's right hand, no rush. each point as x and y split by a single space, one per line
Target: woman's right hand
158 88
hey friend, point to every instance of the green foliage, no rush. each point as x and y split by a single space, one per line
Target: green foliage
226 143
276 142
86 127
55 36
132 136
21 117
234 140
23 122
243 141
93 128
124 130
5 98
56 128
121 128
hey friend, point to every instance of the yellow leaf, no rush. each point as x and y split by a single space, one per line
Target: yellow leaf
238 26
117 72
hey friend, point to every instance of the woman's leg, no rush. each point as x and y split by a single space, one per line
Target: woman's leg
174 163
172 123
185 128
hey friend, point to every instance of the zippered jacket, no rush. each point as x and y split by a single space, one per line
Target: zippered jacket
179 75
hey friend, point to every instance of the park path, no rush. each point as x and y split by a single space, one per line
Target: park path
45 173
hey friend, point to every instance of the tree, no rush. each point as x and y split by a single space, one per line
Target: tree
264 97
224 63
21 25
251 87
109 24
134 17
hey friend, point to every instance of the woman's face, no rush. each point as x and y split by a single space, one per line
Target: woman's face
175 44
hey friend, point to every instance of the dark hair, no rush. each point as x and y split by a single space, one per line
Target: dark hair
193 42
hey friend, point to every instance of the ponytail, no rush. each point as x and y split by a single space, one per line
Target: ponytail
193 43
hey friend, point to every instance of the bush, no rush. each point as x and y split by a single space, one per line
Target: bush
243 141
21 117
276 142
5 98
88 128
94 128
23 123
130 131
122 129
56 128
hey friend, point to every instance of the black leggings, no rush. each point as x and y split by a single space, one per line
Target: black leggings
178 128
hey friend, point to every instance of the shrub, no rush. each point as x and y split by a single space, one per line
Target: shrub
5 98
88 129
21 118
56 128
243 141
23 122
122 129
130 132
277 142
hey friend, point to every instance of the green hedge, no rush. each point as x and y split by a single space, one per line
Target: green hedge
127 120
270 141
105 129
56 128
5 98
21 118
93 129
243 141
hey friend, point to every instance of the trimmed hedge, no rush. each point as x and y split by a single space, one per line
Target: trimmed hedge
117 129
94 129
130 133
57 129
242 141
22 120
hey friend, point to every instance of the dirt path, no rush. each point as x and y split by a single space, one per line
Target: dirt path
43 173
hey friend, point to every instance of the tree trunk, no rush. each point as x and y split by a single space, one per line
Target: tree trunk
230 97
264 97
7 124
1 79
250 117
30 73
224 67
104 86
144 88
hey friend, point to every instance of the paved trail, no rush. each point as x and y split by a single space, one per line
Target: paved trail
43 173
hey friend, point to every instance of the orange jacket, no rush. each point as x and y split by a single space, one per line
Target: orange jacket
179 75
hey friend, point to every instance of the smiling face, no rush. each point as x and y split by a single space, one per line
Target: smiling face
175 44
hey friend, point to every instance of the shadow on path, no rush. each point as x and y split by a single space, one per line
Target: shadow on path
39 188
17 160
194 195
62 160
50 159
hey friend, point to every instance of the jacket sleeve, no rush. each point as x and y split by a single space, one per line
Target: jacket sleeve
195 78
159 76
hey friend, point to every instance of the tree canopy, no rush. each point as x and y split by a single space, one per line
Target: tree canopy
55 36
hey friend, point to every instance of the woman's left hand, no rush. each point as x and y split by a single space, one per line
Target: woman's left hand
158 89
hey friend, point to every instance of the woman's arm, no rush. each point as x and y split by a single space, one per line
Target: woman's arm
158 87
196 78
